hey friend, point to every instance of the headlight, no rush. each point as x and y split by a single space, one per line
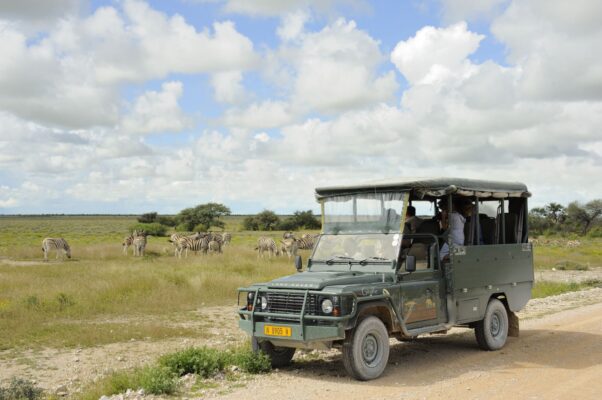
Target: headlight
250 296
326 306
264 302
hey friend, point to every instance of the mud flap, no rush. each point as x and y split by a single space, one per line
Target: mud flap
513 325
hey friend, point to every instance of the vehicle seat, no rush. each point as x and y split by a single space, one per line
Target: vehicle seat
487 228
510 226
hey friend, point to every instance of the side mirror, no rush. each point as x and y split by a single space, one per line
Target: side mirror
298 263
410 263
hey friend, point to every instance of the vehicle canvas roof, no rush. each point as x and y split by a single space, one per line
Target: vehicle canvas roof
433 187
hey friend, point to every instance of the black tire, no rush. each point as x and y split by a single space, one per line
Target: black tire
366 350
280 356
492 331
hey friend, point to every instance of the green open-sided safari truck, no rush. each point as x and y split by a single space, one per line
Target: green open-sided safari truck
377 272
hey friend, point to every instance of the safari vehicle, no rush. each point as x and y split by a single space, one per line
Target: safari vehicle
370 277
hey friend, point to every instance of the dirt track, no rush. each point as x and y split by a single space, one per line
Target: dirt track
557 357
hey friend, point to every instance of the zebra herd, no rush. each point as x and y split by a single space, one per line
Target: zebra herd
205 242
289 245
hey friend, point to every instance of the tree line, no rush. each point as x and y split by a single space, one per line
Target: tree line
575 218
204 217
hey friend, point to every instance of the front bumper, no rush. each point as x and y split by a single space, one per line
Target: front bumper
305 328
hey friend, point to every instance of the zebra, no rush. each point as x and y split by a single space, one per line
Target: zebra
288 235
55 243
267 244
176 241
227 238
197 242
290 247
127 242
139 243
306 242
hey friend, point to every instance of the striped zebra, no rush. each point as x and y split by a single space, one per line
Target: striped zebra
307 242
288 235
214 246
196 243
267 244
58 244
139 243
227 238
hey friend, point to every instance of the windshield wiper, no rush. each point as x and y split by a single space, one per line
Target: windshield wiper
330 261
365 260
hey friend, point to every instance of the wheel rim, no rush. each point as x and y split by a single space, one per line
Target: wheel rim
495 326
370 349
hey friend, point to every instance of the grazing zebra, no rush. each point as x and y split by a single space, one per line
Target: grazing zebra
59 244
227 238
290 247
139 243
267 244
177 239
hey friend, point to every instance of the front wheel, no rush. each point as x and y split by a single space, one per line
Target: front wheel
279 356
492 331
366 350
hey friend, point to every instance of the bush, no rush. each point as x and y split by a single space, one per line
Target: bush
158 380
167 220
148 218
203 361
153 229
249 361
20 389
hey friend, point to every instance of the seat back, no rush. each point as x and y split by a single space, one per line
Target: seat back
510 221
487 228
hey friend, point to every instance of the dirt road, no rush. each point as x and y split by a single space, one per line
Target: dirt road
557 357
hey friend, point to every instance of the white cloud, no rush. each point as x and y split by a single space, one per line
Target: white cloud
281 7
157 111
265 115
228 87
553 42
292 24
436 53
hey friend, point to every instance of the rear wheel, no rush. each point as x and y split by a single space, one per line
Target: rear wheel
492 331
279 356
366 350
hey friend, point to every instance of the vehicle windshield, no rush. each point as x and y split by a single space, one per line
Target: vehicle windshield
363 213
364 247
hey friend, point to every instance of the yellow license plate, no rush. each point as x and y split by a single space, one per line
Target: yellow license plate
277 330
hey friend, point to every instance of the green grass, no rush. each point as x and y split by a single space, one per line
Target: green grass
547 288
91 298
586 256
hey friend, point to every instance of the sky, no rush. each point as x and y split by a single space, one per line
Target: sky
132 106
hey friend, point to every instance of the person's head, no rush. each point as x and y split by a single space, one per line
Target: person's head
411 211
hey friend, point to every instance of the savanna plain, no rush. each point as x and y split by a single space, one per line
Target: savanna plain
71 323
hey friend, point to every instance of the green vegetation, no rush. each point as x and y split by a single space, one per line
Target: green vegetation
574 219
202 217
586 256
152 228
546 288
20 389
162 377
268 221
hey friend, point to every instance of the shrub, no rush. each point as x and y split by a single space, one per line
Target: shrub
20 389
167 220
153 229
148 218
249 361
203 361
158 380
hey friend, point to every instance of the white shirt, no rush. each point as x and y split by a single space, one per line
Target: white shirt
456 232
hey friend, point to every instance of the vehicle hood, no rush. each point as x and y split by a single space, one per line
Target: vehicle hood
319 280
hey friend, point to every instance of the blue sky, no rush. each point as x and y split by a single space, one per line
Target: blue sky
128 106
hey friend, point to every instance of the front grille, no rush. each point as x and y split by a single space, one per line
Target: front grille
291 303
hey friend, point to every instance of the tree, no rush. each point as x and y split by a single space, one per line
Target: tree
555 212
267 220
203 216
306 220
584 216
148 218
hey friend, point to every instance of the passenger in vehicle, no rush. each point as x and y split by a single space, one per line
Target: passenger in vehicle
453 223
411 225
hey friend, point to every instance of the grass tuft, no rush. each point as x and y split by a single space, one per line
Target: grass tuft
202 361
548 288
